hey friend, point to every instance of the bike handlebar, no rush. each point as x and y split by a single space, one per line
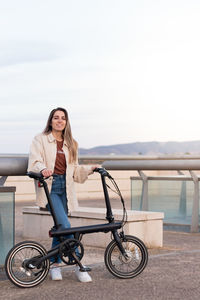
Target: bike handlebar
102 171
39 176
35 175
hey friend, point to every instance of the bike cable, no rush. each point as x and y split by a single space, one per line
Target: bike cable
117 191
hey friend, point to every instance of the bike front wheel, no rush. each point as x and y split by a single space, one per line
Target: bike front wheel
19 264
132 263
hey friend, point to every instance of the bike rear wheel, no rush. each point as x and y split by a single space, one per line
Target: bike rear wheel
130 266
19 272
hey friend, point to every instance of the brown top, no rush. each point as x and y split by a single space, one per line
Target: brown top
60 164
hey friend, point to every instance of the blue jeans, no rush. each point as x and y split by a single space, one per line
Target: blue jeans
59 202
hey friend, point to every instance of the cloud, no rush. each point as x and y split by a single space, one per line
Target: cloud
20 52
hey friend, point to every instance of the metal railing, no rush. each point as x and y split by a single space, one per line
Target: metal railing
176 165
16 165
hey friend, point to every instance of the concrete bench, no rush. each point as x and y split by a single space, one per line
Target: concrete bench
148 226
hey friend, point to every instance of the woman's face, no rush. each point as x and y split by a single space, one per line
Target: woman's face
58 122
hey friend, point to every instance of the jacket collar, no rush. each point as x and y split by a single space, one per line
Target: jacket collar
51 139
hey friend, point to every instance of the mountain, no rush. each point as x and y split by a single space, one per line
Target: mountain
145 148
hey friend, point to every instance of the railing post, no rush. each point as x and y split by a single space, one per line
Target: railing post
182 203
144 196
195 209
3 180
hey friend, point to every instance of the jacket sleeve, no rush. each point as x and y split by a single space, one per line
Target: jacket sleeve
81 173
36 157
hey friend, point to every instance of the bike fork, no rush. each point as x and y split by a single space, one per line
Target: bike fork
119 242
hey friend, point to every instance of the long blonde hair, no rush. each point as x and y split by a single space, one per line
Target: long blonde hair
67 134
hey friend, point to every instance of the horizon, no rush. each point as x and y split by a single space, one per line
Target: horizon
169 141
121 144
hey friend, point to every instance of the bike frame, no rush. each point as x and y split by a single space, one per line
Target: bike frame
111 226
27 264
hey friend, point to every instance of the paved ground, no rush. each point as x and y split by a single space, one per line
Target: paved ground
173 272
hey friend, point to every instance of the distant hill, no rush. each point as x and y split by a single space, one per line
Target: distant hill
145 148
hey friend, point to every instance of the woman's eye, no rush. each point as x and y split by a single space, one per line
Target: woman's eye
57 118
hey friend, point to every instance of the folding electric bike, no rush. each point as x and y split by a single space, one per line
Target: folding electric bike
27 264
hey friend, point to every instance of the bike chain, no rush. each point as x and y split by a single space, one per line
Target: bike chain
67 248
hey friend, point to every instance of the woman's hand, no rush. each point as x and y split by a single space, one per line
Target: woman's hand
94 167
47 172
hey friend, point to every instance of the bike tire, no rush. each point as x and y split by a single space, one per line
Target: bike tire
124 268
16 270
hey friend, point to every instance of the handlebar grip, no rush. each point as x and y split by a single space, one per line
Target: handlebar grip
97 170
102 171
35 175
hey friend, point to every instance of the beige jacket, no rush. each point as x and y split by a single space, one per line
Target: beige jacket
43 155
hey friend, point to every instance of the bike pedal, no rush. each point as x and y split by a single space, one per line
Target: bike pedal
85 269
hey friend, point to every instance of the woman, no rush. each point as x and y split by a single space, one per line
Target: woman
54 153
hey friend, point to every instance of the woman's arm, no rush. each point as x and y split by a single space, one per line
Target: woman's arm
81 173
36 158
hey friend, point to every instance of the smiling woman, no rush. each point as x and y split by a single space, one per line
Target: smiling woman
54 154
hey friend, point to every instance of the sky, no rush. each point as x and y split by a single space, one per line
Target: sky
126 71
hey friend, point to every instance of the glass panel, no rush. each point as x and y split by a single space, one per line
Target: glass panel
6 224
173 197
136 194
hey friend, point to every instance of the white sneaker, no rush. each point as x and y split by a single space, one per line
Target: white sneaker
82 276
56 273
